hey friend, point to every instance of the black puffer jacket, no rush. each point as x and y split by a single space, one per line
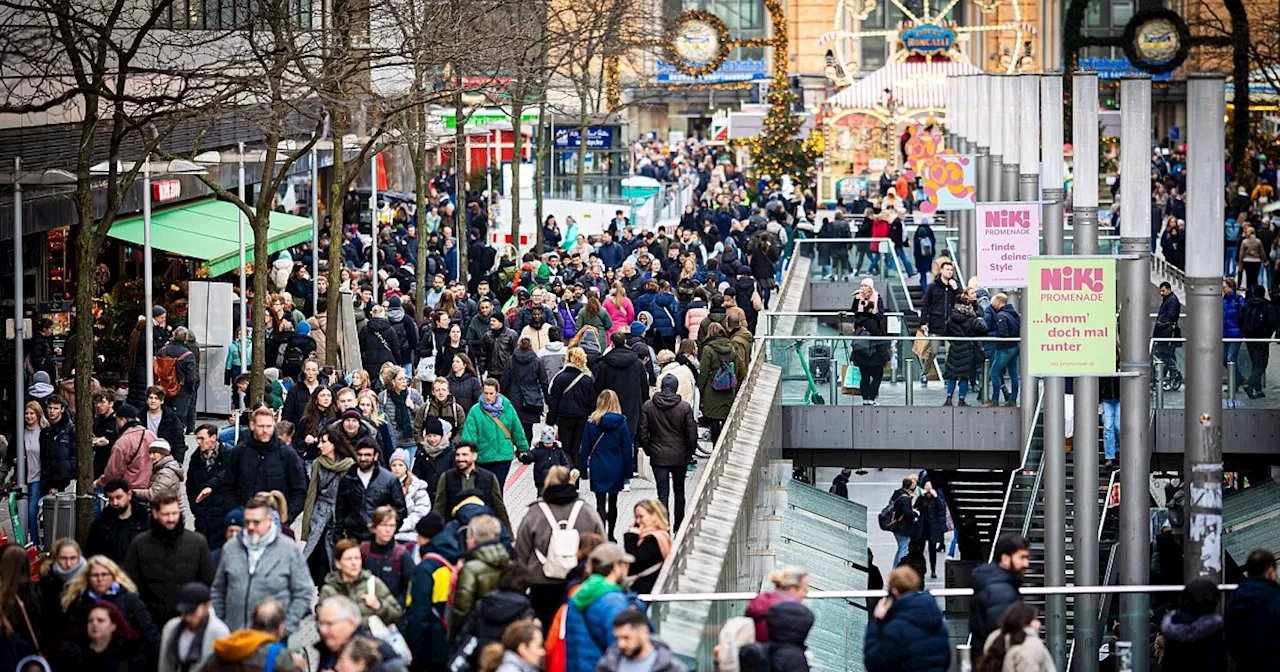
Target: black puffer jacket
58 454
668 433
964 358
465 389
210 515
255 466
994 589
525 383
162 561
789 625
379 344
491 616
571 402
356 502
622 371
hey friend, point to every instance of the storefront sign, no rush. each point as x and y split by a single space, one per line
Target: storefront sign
928 39
163 191
1157 40
729 71
485 116
1115 68
1071 305
598 137
949 183
1008 236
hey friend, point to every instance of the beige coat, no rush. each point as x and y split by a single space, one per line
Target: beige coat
166 476
318 324
1029 656
687 383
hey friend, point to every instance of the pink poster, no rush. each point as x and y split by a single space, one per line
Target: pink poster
1008 234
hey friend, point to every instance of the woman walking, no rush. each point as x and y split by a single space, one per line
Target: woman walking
964 357
607 452
649 541
869 356
464 384
1016 645
398 402
570 400
334 460
594 315
526 383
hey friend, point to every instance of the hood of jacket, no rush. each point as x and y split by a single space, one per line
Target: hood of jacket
554 348
594 588
620 358
560 494
721 345
611 421
395 314
241 644
524 357
379 324
501 607
167 462
990 574
919 608
789 623
760 605
1179 626
664 400
494 554
445 544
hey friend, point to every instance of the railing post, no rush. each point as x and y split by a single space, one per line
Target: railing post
907 370
1159 384
1231 381
984 385
964 662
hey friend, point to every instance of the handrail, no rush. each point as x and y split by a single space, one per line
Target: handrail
845 337
1031 507
1105 579
1008 492
940 592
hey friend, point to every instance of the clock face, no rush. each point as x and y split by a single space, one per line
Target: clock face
697 42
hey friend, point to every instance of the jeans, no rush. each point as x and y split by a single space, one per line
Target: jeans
903 541
1251 270
1110 427
33 511
1231 353
951 389
671 479
1259 353
499 469
901 253
1229 256
1006 359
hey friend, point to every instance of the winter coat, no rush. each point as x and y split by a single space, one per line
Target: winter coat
111 535
379 344
424 620
428 464
911 638
543 457
57 455
246 651
577 401
121 655
622 371
649 560
413 400
526 382
664 660
356 502
1029 656
1194 643
406 331
131 457
322 513
1253 305
994 589
257 467
135 612
210 515
665 311
162 562
280 573
688 383
417 500
715 403
535 530
939 300
758 609
789 625
668 434
588 622
478 577
389 609
171 429
964 358
449 494
166 476
1232 305
619 315
214 629
496 444
1252 621
466 389
607 451
491 616
694 314
474 331
933 517
552 357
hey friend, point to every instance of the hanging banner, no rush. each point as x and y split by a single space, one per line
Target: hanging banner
1071 305
949 183
1008 236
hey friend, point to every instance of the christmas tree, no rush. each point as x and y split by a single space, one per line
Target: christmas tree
778 150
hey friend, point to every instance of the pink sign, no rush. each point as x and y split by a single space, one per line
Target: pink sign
1008 235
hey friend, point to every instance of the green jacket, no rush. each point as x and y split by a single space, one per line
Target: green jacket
716 403
495 444
602 322
477 578
389 609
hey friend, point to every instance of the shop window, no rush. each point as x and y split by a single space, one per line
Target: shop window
875 51
1121 12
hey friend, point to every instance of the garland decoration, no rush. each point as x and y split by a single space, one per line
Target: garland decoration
689 21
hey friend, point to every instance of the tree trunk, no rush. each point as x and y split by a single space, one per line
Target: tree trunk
517 160
86 257
418 155
461 233
539 153
260 225
333 326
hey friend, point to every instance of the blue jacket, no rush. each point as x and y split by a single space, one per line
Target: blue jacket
607 452
1231 306
1007 324
612 255
665 311
994 589
589 622
1252 620
911 638
424 619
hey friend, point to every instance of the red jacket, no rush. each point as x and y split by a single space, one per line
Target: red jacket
131 458
759 607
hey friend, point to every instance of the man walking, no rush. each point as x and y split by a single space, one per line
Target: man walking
468 477
166 558
363 489
636 649
263 463
121 520
904 516
258 565
188 638
130 458
995 585
1008 324
252 648
939 299
209 462
1253 614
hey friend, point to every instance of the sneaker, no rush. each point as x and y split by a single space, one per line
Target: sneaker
991 404
868 402
947 402
876 402
962 402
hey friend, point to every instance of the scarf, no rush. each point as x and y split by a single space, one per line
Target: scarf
663 538
211 458
187 659
404 417
871 305
436 450
259 548
494 409
69 574
313 488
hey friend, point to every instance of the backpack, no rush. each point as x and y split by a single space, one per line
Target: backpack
1233 230
754 657
725 378
562 551
925 240
1253 319
289 356
737 632
165 371
888 517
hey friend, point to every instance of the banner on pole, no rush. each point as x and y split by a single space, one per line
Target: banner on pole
1008 236
1071 305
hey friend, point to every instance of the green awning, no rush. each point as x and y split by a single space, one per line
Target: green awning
207 230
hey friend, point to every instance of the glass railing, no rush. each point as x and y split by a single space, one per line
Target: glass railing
1168 357
836 639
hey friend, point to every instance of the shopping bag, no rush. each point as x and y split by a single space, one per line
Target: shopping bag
850 380
923 347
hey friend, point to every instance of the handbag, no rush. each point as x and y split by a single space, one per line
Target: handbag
586 464
503 427
391 635
35 641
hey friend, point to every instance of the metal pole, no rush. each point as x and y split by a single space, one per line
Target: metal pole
373 223
995 122
1202 555
315 228
1084 209
1015 141
907 366
148 308
981 94
1135 391
19 333
245 362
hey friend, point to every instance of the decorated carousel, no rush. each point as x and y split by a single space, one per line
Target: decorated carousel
869 122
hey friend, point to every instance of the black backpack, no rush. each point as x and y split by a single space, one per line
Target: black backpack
754 657
291 356
1253 319
889 517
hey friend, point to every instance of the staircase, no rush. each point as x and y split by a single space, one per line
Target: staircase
976 495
